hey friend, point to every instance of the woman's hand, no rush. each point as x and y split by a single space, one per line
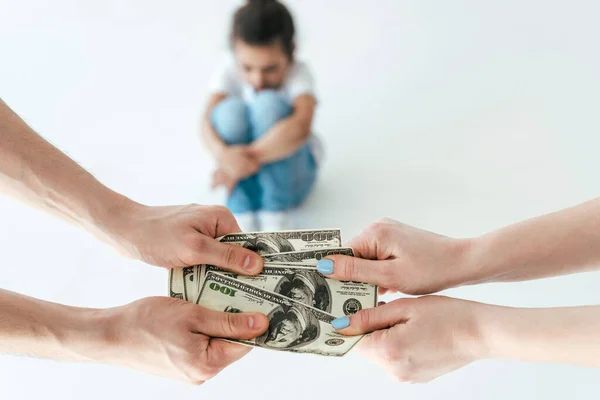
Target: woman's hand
402 258
417 340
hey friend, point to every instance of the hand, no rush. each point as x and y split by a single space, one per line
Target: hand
400 257
180 236
419 339
237 162
220 178
176 339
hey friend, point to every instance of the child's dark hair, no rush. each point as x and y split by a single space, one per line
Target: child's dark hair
262 22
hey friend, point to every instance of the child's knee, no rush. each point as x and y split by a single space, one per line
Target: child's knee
268 107
230 120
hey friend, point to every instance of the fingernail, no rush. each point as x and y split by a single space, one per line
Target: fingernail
325 266
340 323
248 264
250 322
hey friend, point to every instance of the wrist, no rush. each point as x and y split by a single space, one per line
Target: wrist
255 152
85 334
218 151
460 266
473 337
111 220
505 332
474 263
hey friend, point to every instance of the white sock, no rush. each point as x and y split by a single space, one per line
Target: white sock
247 221
271 221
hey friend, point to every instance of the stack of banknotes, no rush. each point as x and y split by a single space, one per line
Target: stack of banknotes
298 300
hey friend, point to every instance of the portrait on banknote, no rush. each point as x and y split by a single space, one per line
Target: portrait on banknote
290 327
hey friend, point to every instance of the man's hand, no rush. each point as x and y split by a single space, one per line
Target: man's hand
157 335
33 169
179 236
177 339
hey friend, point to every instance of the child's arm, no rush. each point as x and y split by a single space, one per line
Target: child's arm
235 160
288 135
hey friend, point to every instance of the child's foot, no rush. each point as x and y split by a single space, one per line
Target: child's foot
248 222
271 221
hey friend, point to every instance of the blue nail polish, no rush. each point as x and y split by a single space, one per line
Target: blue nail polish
325 266
340 323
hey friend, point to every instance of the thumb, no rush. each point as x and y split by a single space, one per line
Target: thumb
232 258
374 319
229 257
231 325
346 268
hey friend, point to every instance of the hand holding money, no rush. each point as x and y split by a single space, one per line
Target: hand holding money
178 236
172 338
399 257
299 301
419 339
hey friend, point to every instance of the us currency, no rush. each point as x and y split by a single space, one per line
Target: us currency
176 285
307 286
190 278
279 242
262 243
285 241
305 257
293 326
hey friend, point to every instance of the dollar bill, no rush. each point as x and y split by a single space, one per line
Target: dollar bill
176 288
285 241
262 243
309 287
190 287
305 257
293 326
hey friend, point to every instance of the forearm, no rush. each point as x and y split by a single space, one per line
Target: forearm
281 141
569 335
38 328
559 243
211 139
35 171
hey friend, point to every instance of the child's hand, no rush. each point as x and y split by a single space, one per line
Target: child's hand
237 163
220 178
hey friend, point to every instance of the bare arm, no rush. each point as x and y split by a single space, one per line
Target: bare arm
235 162
414 261
287 135
567 335
157 335
38 328
560 243
419 339
33 170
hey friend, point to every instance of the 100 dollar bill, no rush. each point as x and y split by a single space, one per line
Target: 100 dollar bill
176 285
273 242
305 257
309 287
285 241
186 284
293 326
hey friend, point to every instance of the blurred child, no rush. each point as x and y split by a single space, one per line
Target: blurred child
257 122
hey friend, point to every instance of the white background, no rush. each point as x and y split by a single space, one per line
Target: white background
458 117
